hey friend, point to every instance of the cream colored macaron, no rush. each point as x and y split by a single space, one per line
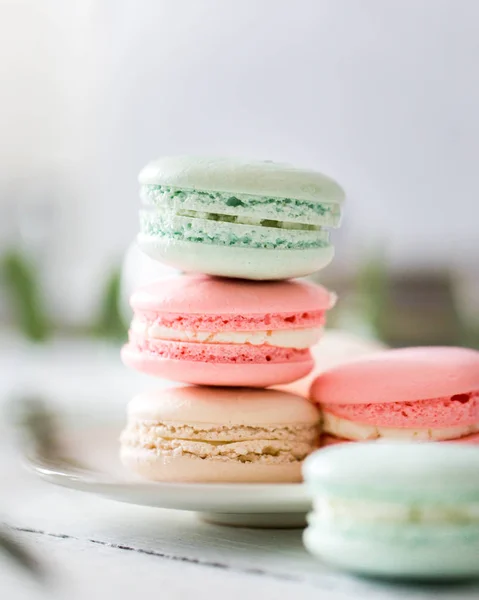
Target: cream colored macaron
204 434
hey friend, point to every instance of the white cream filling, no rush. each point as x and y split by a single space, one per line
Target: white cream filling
350 430
286 338
243 220
365 511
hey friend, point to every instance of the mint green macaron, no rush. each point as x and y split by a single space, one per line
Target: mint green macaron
237 218
397 510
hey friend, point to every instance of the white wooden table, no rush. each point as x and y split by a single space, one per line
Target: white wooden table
97 548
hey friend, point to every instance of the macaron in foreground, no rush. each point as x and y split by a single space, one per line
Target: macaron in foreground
213 331
418 394
237 218
235 435
396 509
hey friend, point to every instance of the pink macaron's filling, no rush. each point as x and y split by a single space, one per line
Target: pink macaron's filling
227 339
455 411
473 438
331 440
218 353
233 322
284 338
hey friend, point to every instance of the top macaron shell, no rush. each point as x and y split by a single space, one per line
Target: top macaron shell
214 331
258 178
202 295
402 375
236 218
396 471
223 406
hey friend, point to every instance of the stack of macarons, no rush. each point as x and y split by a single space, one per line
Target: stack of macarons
410 394
233 320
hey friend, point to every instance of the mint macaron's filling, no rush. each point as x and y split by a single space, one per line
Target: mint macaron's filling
224 204
362 512
405 522
194 214
188 228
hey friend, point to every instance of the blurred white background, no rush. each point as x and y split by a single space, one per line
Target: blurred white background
383 95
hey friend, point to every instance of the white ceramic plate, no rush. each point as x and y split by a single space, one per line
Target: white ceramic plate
84 456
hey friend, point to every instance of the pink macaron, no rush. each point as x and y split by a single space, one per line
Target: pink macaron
212 331
429 394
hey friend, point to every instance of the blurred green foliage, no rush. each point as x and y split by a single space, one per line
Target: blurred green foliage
21 283
371 286
470 335
109 323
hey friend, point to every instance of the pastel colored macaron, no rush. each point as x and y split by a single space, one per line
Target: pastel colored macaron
205 434
423 394
396 509
237 218
215 331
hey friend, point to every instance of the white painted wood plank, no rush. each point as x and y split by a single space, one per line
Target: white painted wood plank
80 570
43 511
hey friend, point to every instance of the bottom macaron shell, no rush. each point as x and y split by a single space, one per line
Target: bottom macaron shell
216 374
237 262
402 552
195 470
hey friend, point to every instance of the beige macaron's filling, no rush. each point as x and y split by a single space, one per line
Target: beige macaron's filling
350 430
300 338
275 444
